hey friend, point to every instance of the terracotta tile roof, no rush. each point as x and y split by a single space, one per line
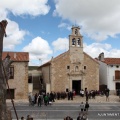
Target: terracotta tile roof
17 56
111 60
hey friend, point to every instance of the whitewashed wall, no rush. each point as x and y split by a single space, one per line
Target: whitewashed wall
111 74
103 73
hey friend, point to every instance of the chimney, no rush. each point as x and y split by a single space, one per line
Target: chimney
101 56
15 55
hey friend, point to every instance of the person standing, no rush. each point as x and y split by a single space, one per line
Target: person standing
22 118
86 94
35 98
82 106
107 94
86 106
82 93
46 100
39 100
28 117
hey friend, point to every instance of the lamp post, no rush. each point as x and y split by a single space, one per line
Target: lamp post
40 60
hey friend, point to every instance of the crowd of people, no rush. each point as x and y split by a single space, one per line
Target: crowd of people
41 98
49 98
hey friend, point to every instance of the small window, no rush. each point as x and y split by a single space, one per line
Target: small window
67 90
76 31
117 66
84 67
76 68
11 71
68 67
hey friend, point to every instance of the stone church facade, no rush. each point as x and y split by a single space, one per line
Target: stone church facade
72 70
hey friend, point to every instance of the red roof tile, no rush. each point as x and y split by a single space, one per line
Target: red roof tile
17 56
111 60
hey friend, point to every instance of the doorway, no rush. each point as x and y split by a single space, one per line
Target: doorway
10 94
117 88
76 85
117 85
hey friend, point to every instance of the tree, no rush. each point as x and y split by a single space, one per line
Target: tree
3 110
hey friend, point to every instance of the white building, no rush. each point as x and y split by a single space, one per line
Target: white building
109 72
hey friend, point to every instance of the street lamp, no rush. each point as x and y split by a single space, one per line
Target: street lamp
40 60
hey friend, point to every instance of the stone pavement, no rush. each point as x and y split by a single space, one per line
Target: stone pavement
78 99
98 99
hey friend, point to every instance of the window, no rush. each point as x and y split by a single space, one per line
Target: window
76 31
76 68
73 41
11 71
84 67
117 66
117 74
68 67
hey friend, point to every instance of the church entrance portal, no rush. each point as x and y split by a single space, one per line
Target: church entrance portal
76 85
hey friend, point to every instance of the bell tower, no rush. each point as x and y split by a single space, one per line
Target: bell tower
76 45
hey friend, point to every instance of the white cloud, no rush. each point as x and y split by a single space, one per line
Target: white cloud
60 44
19 7
14 35
98 18
38 49
3 14
25 7
64 25
95 49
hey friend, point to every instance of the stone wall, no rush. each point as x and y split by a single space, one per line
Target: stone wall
92 73
20 81
59 73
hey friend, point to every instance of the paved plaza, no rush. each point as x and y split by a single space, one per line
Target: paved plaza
61 108
98 99
79 99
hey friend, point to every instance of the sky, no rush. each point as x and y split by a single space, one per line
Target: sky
42 27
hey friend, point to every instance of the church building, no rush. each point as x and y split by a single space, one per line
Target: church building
71 70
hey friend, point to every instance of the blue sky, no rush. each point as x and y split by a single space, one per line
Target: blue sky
42 27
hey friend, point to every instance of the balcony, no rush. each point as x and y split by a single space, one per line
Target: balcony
116 78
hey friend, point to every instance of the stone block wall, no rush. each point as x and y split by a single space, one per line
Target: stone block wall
59 73
20 81
92 73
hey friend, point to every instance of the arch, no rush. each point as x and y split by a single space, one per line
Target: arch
78 42
73 41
